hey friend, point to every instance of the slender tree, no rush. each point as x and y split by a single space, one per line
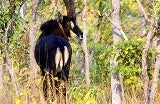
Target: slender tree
156 45
84 45
32 63
149 86
6 32
71 12
154 81
118 34
144 74
2 91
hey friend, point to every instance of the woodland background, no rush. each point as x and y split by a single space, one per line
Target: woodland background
135 57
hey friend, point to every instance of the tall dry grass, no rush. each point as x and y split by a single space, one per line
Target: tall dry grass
77 92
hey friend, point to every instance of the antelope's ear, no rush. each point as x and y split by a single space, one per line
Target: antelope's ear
59 17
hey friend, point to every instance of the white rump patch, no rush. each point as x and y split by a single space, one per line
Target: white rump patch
66 54
58 60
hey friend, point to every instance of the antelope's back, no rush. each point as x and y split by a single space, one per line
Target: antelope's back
46 48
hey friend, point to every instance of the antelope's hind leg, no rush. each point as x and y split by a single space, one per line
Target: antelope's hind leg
62 88
53 87
45 87
48 87
60 92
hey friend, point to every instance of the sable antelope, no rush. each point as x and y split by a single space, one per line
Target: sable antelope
53 54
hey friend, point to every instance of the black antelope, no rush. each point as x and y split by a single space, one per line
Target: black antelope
53 55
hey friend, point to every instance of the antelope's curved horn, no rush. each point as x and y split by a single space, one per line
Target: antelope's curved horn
59 17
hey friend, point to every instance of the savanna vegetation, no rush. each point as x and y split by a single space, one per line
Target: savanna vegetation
138 54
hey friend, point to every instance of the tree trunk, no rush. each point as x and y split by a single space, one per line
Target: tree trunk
8 63
115 87
155 78
116 19
84 47
70 7
144 74
115 78
2 88
32 62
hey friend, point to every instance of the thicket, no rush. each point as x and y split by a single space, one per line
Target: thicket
100 46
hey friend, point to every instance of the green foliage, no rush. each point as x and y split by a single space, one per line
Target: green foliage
9 18
17 39
129 60
157 16
4 17
157 10
129 7
83 96
130 52
100 73
19 47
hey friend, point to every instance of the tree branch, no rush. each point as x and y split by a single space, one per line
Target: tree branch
143 13
118 27
144 17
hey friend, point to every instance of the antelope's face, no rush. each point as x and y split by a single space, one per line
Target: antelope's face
69 23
